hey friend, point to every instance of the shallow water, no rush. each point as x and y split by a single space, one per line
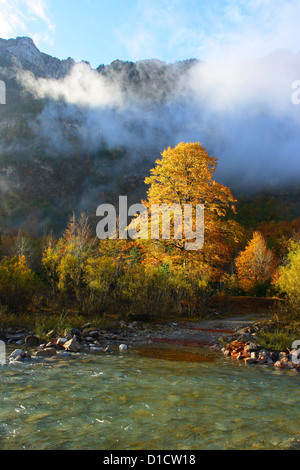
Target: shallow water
154 398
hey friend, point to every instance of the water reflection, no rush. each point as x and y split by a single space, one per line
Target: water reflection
176 353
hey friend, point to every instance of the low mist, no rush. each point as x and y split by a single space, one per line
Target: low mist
242 113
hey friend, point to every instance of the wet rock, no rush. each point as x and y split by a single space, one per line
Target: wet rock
251 347
263 357
75 332
16 359
282 355
26 355
244 338
21 331
72 345
12 338
286 363
96 349
61 341
86 332
250 360
49 352
15 353
32 340
123 347
94 334
274 356
64 354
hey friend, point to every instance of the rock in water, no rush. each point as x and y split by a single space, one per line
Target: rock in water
123 347
49 352
15 353
72 345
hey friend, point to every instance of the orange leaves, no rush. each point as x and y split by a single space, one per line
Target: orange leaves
184 175
256 264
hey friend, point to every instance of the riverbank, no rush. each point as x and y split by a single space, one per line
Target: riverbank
243 336
235 337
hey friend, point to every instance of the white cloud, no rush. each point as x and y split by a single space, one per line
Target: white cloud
26 17
211 29
83 86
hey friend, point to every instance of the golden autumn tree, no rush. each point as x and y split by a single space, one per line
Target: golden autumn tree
17 283
65 261
288 277
255 265
185 176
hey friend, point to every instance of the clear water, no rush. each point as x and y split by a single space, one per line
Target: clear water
169 398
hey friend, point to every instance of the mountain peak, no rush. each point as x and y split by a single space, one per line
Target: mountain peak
25 40
24 49
29 56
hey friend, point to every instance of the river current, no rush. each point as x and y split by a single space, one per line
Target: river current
151 398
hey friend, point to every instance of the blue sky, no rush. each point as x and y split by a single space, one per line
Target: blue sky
101 31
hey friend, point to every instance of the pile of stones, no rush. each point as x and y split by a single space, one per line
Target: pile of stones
71 343
243 348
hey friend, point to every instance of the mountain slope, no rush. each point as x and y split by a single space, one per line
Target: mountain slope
72 137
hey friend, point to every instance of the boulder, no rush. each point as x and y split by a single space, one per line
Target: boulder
75 331
94 334
61 341
263 358
251 347
251 360
15 353
32 340
274 356
18 358
49 352
72 345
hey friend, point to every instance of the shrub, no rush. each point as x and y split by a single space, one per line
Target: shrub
17 283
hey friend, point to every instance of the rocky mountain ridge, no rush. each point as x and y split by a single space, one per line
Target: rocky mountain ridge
23 51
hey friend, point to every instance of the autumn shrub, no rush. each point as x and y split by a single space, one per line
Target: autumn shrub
64 262
17 284
288 280
256 266
143 290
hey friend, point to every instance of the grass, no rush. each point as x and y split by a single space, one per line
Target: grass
278 334
277 340
42 323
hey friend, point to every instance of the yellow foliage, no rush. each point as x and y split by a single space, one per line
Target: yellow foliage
256 264
289 275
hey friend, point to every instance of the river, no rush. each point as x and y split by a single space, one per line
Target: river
152 398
